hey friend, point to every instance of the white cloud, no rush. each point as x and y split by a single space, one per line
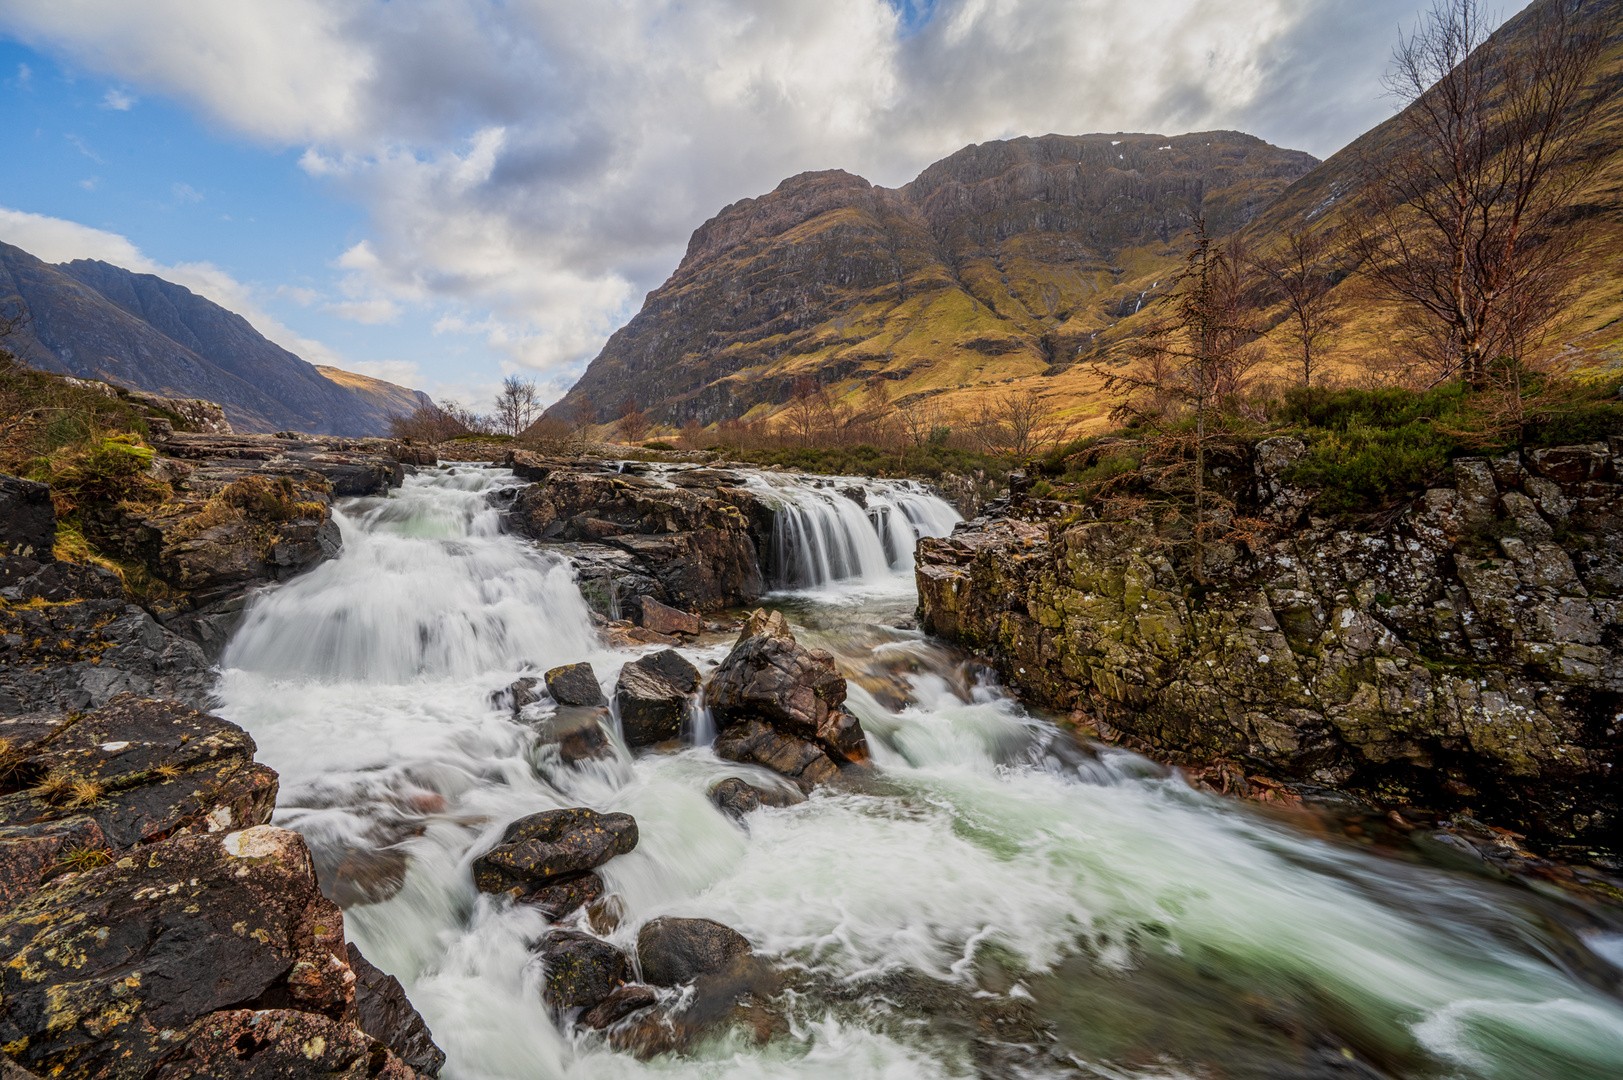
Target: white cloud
185 193
55 240
370 312
118 101
25 76
90 183
531 168
399 372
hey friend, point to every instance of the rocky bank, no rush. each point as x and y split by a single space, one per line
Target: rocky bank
1465 656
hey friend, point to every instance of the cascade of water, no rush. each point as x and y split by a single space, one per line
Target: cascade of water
822 535
985 867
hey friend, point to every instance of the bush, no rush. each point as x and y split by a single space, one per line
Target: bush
658 444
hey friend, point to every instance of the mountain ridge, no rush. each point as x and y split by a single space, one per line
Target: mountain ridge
91 319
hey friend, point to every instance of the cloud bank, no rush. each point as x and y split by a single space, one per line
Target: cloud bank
531 168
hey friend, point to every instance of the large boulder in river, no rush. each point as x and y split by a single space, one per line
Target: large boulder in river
664 619
736 798
552 844
676 951
755 743
771 677
574 684
652 696
579 970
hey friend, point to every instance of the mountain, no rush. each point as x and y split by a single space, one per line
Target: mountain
1006 263
95 320
1004 260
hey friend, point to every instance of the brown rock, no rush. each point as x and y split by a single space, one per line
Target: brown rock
382 1011
675 951
574 684
616 1007
552 844
278 1044
562 895
755 743
652 696
655 616
580 970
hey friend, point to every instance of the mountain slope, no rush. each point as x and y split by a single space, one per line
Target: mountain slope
95 320
1000 261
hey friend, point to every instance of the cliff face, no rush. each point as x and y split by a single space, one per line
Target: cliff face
1465 657
94 320
1000 260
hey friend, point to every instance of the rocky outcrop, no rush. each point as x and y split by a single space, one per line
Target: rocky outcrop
770 678
574 684
542 849
736 798
580 970
156 925
1464 656
383 1012
676 951
27 520
687 545
663 619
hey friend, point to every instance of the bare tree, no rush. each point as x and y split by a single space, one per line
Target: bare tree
1466 222
432 423
1018 425
633 424
1301 273
1194 361
808 407
517 406
693 435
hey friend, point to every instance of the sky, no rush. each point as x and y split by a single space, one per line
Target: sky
444 192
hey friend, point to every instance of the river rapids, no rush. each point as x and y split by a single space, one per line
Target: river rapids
1000 901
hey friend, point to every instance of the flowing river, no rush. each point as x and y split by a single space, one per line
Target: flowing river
1000 901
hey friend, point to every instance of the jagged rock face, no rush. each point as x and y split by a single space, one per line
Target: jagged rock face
996 261
27 519
694 545
1462 657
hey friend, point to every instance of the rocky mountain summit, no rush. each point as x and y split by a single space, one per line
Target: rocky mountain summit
1000 260
1462 656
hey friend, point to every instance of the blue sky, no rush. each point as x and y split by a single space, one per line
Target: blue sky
441 192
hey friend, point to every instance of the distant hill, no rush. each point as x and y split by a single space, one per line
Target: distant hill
95 320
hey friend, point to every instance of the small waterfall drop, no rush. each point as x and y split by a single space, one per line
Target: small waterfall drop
821 533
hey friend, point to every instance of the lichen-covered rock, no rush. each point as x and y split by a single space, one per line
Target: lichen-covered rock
277 1044
574 684
552 844
1459 656
561 896
770 677
652 695
131 773
384 1013
103 972
579 970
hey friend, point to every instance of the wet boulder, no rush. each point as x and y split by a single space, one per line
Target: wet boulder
27 519
552 844
674 951
800 760
736 798
278 1044
383 1012
563 895
132 772
616 1007
574 684
663 619
652 695
186 927
580 970
771 677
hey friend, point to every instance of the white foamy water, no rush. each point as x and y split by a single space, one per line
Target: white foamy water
1099 879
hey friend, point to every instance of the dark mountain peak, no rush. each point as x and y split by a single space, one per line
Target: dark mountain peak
798 199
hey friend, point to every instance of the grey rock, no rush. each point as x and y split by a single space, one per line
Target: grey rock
675 951
574 684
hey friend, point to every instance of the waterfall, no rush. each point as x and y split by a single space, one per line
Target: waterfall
821 534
